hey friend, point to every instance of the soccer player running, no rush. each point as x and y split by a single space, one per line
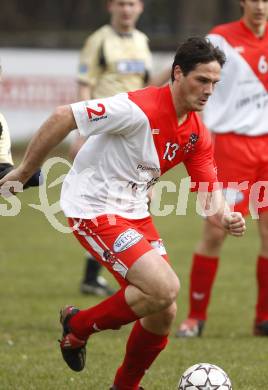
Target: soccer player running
237 115
141 135
115 58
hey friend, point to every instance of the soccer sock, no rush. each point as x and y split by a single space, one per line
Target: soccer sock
262 281
203 273
142 349
111 313
92 270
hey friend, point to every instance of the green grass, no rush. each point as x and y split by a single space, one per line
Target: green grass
40 270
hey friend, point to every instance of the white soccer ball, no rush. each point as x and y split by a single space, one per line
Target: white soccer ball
204 376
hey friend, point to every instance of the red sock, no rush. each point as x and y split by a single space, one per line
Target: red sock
203 273
142 349
262 281
112 313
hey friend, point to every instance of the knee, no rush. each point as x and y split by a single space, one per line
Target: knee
166 318
166 294
263 229
170 314
212 240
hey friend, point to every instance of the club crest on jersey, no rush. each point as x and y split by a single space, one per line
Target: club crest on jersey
109 257
191 143
126 240
96 113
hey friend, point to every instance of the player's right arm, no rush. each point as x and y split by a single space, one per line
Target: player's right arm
116 115
50 134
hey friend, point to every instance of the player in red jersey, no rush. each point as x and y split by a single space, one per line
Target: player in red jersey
237 115
141 135
115 58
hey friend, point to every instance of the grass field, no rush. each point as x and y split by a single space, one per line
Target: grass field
40 270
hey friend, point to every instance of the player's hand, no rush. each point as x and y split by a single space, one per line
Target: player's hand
235 224
12 182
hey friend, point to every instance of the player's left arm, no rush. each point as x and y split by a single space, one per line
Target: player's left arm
217 211
201 167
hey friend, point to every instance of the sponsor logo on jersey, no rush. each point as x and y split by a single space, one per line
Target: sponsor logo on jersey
130 66
146 168
97 113
191 143
83 69
155 131
152 182
127 239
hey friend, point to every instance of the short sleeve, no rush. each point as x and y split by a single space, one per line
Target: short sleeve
5 142
216 40
113 115
89 63
201 165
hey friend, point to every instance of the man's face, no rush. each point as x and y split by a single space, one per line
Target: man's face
125 13
194 89
255 12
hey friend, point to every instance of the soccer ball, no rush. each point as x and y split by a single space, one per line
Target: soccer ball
204 376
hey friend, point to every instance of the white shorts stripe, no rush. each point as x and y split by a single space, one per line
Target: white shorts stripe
118 265
95 246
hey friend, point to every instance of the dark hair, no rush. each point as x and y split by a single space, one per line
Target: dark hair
196 51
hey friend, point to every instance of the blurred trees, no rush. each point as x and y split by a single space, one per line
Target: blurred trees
65 23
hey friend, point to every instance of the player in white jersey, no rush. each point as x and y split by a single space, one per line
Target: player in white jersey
141 135
237 115
115 58
6 161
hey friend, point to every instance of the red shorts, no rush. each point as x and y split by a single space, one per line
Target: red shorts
117 242
242 164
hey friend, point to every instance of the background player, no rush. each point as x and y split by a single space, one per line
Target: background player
115 58
6 161
237 114
113 219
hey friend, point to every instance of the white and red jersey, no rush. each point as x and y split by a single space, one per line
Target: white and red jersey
5 143
239 103
138 140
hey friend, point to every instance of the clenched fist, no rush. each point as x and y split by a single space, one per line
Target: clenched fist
234 223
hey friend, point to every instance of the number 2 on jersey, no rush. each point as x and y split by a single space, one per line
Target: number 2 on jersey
99 112
171 150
